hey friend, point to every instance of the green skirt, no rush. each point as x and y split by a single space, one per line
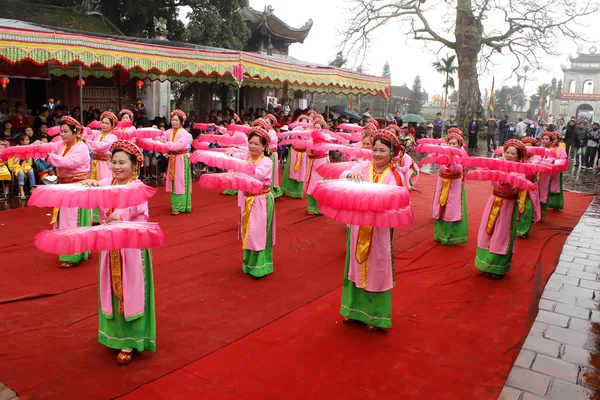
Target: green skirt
556 201
526 219
260 263
498 264
452 233
289 186
140 334
231 192
371 308
312 205
96 216
83 220
183 202
276 191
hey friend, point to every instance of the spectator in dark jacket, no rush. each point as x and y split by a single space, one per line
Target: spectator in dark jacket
578 141
503 126
570 136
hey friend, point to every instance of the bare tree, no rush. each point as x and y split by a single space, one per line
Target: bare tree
524 29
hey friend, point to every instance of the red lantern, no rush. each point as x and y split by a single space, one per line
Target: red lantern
139 84
4 81
80 83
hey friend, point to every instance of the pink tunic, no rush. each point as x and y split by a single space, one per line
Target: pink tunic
498 241
561 156
132 270
534 195
380 269
100 146
300 174
273 147
407 166
315 160
257 233
178 147
453 210
75 162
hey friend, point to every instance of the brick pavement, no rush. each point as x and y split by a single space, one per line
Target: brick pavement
560 358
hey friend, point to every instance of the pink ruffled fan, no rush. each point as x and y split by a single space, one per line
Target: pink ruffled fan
383 219
334 170
209 138
238 138
201 127
222 161
301 124
536 151
430 141
344 194
351 127
299 143
561 165
94 125
205 146
124 124
336 135
356 152
113 236
440 149
231 180
30 151
506 166
152 145
239 128
56 139
500 176
148 133
294 134
53 131
444 159
78 195
123 134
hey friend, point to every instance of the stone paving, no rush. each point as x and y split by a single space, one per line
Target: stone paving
560 358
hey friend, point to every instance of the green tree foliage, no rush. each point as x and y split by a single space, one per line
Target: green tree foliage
386 71
339 60
508 99
416 97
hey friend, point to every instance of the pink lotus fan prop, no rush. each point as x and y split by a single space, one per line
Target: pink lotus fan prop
209 138
334 170
123 134
231 180
440 149
440 160
53 131
344 194
239 128
238 138
88 197
294 134
492 175
30 151
113 236
355 152
152 145
124 124
222 161
384 219
202 127
298 143
307 125
94 125
506 166
351 127
430 141
148 133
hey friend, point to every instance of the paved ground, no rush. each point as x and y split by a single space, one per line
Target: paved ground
560 358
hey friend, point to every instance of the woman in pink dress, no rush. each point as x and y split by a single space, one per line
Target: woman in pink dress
498 228
179 182
369 274
275 189
315 160
258 211
551 187
530 209
450 223
294 173
409 168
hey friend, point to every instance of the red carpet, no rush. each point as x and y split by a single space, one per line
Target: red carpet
223 335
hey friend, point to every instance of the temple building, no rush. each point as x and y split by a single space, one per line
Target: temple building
581 91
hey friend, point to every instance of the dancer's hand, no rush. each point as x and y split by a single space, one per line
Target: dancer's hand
91 183
355 176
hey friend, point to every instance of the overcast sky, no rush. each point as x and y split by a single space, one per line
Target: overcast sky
406 56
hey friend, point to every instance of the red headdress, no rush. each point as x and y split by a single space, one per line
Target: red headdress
521 150
374 122
531 140
549 134
303 117
321 121
390 137
457 131
72 121
180 113
129 148
455 135
311 113
261 123
113 118
272 118
126 111
260 132
394 128
370 125
237 119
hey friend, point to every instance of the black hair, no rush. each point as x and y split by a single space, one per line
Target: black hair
43 109
266 151
73 128
132 158
21 137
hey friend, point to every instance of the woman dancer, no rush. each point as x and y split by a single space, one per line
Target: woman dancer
179 182
408 168
450 224
258 211
71 158
498 228
315 160
530 210
556 199
275 189
126 115
369 271
551 193
126 314
294 173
